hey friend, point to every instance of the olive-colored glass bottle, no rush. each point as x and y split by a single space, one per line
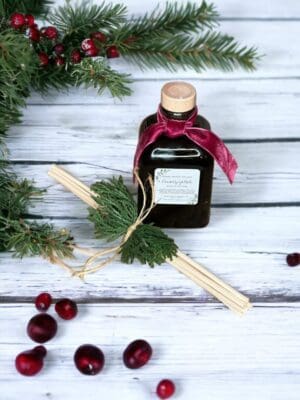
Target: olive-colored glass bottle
182 171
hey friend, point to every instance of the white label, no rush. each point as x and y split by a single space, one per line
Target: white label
176 185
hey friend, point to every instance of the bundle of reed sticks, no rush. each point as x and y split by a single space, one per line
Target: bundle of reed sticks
233 299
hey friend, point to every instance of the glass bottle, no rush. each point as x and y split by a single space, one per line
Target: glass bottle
181 170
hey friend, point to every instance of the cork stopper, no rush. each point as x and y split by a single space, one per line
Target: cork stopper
178 96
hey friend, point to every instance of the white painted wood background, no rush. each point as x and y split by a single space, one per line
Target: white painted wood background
210 353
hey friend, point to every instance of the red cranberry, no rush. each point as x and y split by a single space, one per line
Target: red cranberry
89 359
293 259
165 389
66 309
59 61
137 354
17 21
30 362
34 34
51 32
75 56
93 52
43 30
29 20
87 44
59 48
99 36
41 328
43 300
112 52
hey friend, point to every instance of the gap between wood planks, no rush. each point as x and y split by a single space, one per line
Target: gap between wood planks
257 301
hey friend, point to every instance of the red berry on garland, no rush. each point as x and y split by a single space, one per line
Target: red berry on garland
43 300
293 259
165 389
41 328
89 359
29 20
112 52
137 354
51 32
75 56
17 21
99 36
93 52
30 362
88 44
43 30
66 309
34 34
59 61
59 48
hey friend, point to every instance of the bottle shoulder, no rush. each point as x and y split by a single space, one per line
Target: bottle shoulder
180 148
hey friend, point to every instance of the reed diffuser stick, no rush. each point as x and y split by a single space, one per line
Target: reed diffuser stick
233 299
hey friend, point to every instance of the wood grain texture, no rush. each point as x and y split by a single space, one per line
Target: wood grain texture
206 350
244 246
209 352
268 173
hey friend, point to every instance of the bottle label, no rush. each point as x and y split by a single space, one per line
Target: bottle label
176 186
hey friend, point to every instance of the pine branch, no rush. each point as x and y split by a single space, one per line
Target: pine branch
174 18
97 74
211 50
33 239
35 7
16 69
78 22
23 237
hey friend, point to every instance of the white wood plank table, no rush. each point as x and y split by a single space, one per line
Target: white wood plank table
209 352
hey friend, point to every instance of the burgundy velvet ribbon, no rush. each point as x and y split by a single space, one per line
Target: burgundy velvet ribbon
202 137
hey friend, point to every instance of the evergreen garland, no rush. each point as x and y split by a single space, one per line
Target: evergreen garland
171 37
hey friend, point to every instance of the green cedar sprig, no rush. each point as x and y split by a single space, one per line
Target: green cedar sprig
117 211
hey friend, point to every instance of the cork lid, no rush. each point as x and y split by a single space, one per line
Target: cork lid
178 96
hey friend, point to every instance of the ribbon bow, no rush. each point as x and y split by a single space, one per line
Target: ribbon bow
204 138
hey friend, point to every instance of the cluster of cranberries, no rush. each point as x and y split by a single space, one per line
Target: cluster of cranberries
91 47
88 359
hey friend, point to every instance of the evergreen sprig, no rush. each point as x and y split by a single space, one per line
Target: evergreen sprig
117 211
16 69
100 75
38 8
211 50
26 238
77 23
172 19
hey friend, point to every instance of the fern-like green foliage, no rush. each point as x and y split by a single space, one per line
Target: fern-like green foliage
116 213
149 245
117 209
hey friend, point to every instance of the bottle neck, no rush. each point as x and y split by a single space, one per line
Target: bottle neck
181 116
